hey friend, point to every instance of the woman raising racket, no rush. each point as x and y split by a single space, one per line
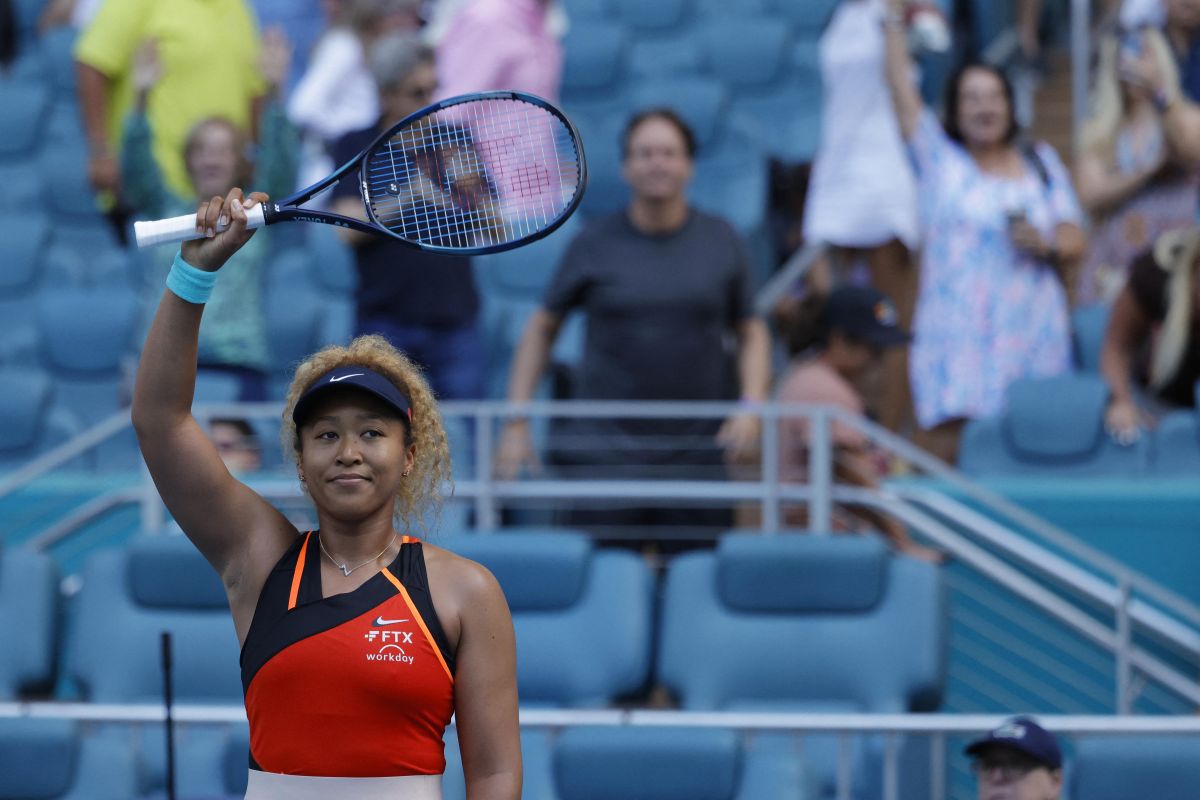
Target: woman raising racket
358 642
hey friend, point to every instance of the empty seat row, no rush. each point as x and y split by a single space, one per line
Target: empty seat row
1055 426
789 622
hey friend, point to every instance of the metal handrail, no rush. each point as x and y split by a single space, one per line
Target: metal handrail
901 501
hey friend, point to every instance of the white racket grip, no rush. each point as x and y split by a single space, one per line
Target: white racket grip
182 229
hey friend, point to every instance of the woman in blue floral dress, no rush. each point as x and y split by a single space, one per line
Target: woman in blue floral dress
1001 227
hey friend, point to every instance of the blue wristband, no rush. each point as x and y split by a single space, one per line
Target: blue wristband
190 284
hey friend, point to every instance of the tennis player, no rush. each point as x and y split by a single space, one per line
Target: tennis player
359 641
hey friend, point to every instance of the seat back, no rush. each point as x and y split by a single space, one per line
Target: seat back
1052 426
1121 767
129 596
802 621
28 619
582 615
1176 445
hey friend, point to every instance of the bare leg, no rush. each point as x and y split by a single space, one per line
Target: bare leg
942 440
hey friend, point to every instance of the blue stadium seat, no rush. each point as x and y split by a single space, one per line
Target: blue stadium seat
47 759
732 178
86 336
594 68
654 764
732 9
28 608
86 256
537 747
24 188
23 239
876 620
331 261
33 424
69 194
1053 426
1176 446
26 108
1121 767
606 190
57 47
808 18
702 102
295 316
584 12
665 56
657 17
129 596
582 615
1087 332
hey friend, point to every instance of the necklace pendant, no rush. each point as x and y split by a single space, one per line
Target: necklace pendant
345 570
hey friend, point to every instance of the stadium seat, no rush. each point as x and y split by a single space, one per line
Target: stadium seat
1087 328
28 608
295 317
1122 767
594 69
48 760
659 16
33 423
702 102
1176 446
129 596
26 108
537 746
807 19
331 262
1052 426
732 9
86 336
655 764
87 257
848 627
678 54
57 47
584 12
23 239
582 615
24 188
606 191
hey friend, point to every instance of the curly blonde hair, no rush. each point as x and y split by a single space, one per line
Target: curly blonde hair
422 490
1098 135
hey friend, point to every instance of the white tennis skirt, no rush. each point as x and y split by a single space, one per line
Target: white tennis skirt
273 786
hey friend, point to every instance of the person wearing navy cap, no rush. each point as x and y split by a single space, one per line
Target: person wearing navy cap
856 325
359 642
1019 760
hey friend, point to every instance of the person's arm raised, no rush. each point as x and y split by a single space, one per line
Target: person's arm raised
906 100
231 525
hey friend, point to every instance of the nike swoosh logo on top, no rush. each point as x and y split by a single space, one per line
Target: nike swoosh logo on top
343 377
381 621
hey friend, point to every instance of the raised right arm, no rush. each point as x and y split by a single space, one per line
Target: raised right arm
239 533
906 100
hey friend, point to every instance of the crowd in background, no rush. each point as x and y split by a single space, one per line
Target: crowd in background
979 240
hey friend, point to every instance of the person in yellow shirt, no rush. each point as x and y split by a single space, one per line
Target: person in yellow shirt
209 51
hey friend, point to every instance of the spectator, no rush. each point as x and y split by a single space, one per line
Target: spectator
1177 100
1153 335
209 53
237 444
337 93
1001 238
499 44
1126 180
663 287
1019 760
424 304
233 336
862 196
858 326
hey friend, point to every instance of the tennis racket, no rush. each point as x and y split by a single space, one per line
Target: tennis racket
473 174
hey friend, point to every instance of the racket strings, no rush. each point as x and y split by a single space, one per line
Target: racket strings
475 174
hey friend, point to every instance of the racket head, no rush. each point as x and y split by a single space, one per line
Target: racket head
475 174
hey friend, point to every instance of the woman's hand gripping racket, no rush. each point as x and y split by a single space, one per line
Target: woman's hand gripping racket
477 173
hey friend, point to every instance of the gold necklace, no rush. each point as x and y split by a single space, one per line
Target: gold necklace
345 569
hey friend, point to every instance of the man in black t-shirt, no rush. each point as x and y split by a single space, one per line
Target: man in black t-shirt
666 293
1153 334
423 303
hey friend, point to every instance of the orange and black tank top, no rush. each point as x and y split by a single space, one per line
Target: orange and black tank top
357 685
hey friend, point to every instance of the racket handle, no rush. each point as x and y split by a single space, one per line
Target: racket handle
183 229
